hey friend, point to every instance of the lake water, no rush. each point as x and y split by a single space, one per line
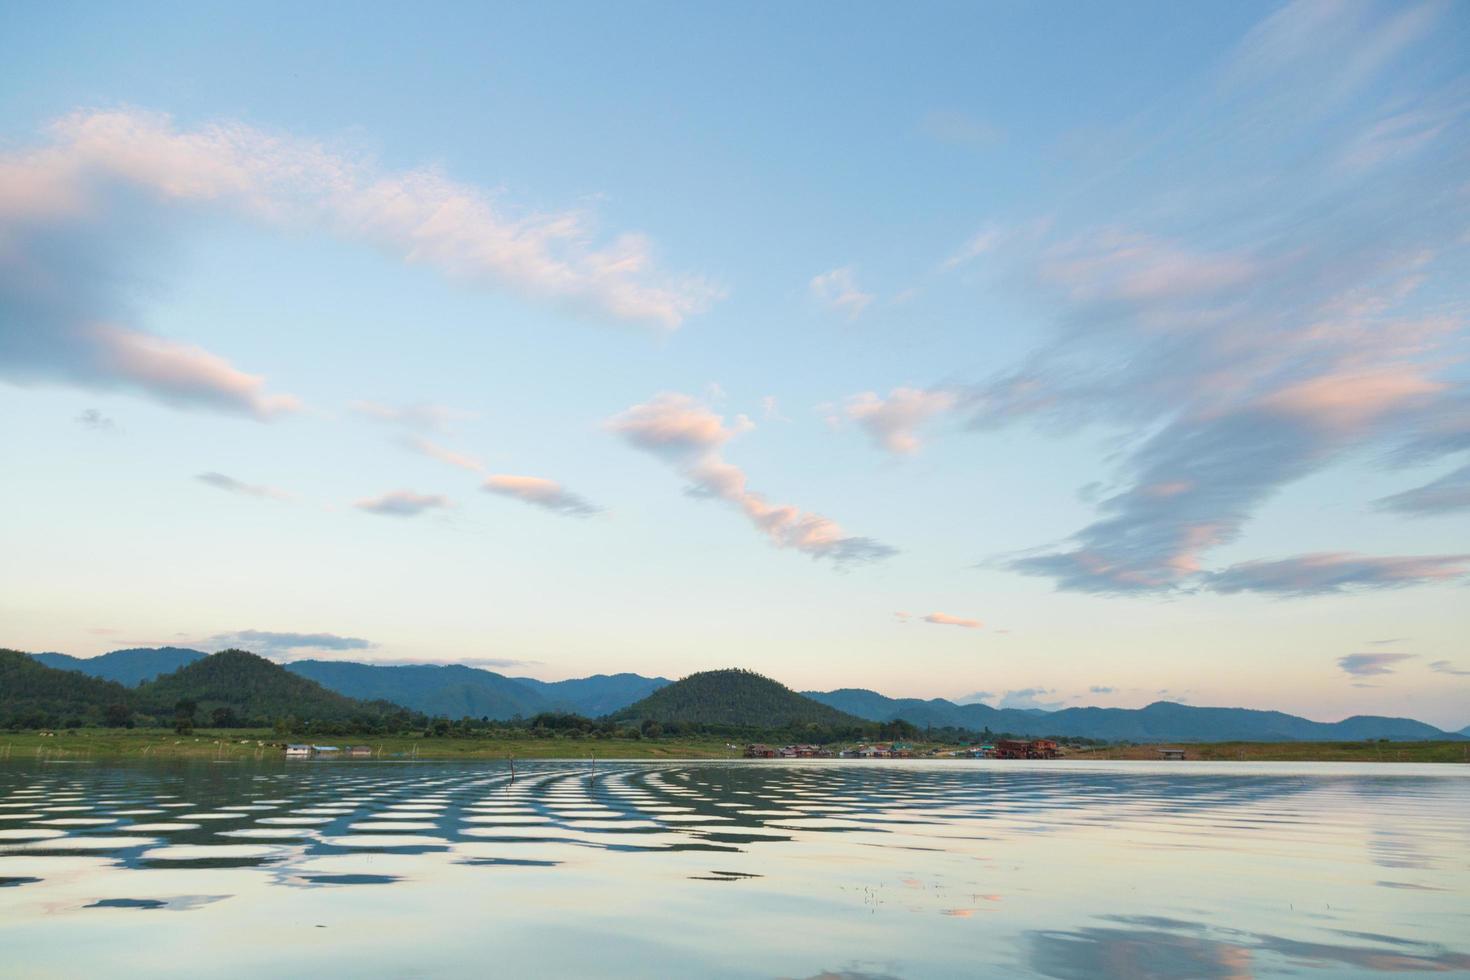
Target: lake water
711 869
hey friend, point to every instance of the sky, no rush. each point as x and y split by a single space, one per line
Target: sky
1038 354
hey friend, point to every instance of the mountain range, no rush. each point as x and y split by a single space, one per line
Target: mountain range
449 690
231 688
733 698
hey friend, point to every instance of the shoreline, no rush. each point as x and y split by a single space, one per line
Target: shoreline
241 745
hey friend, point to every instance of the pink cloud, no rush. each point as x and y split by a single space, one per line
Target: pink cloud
1347 401
419 216
689 435
892 423
541 492
443 454
184 373
945 619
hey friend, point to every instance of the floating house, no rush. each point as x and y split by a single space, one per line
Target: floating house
325 750
360 751
1037 748
759 751
298 751
1171 753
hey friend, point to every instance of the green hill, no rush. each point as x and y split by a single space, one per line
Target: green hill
33 695
735 699
254 689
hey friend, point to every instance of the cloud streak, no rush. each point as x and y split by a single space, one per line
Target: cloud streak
1371 664
1332 572
1450 494
231 485
85 210
1448 667
688 435
443 454
418 216
945 619
540 492
270 642
1289 326
402 503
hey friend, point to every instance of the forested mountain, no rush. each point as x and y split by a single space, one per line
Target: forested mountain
597 695
254 689
127 667
1160 721
736 698
245 687
33 695
452 691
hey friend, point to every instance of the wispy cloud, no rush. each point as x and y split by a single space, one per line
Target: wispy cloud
231 485
1289 325
1371 664
1447 667
1030 698
96 421
1100 689
1449 494
541 492
420 216
945 619
268 642
1320 574
443 454
419 416
893 423
839 290
985 240
402 503
483 663
689 436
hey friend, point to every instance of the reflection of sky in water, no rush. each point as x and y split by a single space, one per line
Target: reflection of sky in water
735 869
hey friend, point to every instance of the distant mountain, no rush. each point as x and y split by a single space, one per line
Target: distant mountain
1465 731
738 698
254 688
33 694
127 667
1160 721
598 695
451 691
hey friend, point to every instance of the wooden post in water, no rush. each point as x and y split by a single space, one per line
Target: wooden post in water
511 757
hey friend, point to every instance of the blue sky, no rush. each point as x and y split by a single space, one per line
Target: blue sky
1061 354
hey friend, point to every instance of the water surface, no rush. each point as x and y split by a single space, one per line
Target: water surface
734 869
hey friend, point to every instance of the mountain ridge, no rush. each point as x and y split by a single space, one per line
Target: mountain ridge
457 690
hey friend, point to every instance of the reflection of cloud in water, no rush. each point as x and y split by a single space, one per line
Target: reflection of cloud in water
1159 948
